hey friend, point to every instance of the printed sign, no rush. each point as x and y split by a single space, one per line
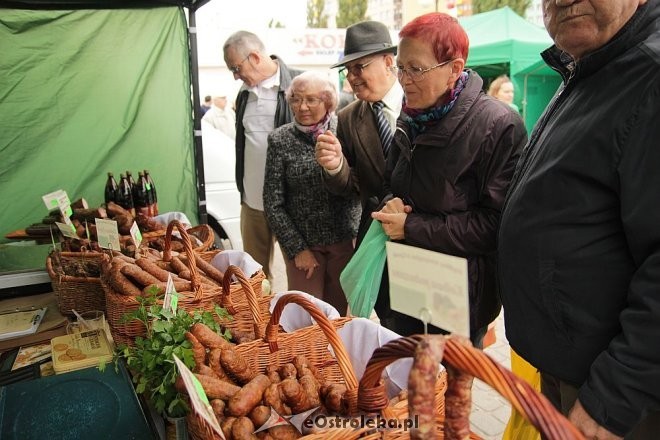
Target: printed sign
430 286
108 234
136 235
59 199
200 403
68 230
171 299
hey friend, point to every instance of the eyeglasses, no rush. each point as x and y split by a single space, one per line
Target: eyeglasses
417 73
311 102
237 68
355 69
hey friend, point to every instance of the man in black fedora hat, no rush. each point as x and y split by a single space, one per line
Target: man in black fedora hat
354 159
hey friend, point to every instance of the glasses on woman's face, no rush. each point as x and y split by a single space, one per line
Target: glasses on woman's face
235 69
311 102
417 73
355 69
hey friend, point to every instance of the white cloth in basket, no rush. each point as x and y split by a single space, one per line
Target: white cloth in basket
167 217
294 317
241 259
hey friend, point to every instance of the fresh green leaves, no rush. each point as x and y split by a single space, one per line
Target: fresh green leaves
150 361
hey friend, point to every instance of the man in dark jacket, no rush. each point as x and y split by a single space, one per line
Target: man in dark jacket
260 108
579 241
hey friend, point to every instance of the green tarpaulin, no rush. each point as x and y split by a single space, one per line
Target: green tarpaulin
501 41
85 92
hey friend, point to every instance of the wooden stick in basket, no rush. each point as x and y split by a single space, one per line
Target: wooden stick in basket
460 355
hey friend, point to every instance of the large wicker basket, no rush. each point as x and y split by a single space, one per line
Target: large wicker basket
201 296
256 280
75 292
277 348
460 356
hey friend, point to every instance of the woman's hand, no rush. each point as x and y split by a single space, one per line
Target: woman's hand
393 218
328 151
305 260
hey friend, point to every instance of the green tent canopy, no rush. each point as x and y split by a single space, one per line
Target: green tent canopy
502 42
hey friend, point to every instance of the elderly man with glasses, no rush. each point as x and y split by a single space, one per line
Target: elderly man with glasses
260 108
354 159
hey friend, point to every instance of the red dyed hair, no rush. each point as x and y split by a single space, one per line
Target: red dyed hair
442 31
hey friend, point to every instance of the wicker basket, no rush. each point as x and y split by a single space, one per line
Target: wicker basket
461 356
203 233
250 312
79 293
201 297
278 348
255 280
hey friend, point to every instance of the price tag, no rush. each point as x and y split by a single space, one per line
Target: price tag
171 299
136 235
108 234
200 403
59 199
429 285
67 230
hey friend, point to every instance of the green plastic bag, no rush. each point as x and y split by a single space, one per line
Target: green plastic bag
361 277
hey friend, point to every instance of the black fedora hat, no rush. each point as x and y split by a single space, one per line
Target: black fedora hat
365 38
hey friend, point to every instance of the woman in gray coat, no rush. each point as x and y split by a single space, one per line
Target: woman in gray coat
315 229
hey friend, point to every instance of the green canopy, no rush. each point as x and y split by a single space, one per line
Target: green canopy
502 42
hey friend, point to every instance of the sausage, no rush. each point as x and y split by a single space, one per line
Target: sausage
294 395
160 288
248 397
216 388
199 352
236 366
274 399
180 268
218 407
209 269
226 426
333 397
301 362
421 387
243 429
216 366
284 432
205 370
208 337
122 285
273 375
153 268
260 415
310 387
143 278
288 371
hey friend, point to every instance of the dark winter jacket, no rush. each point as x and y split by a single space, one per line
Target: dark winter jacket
455 175
579 243
283 116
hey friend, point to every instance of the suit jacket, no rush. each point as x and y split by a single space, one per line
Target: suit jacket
362 172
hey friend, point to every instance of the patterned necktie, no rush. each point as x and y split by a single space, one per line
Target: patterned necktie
384 128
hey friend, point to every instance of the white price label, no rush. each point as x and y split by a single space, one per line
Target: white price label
171 299
136 235
430 286
108 234
59 199
67 230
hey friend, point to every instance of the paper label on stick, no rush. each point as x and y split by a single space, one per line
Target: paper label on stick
67 230
136 235
200 403
108 234
59 199
429 285
171 299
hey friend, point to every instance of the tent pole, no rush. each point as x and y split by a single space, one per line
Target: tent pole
197 128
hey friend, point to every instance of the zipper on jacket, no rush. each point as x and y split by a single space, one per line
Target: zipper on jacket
530 152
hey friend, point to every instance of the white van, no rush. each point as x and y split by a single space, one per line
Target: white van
223 201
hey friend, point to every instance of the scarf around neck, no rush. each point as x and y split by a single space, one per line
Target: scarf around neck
419 120
314 131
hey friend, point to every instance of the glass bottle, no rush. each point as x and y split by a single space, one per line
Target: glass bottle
111 188
154 195
125 194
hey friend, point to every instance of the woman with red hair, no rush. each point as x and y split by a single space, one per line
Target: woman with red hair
451 162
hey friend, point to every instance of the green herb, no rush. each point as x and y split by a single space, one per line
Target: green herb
150 360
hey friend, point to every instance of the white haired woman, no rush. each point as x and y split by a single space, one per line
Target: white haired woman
315 229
